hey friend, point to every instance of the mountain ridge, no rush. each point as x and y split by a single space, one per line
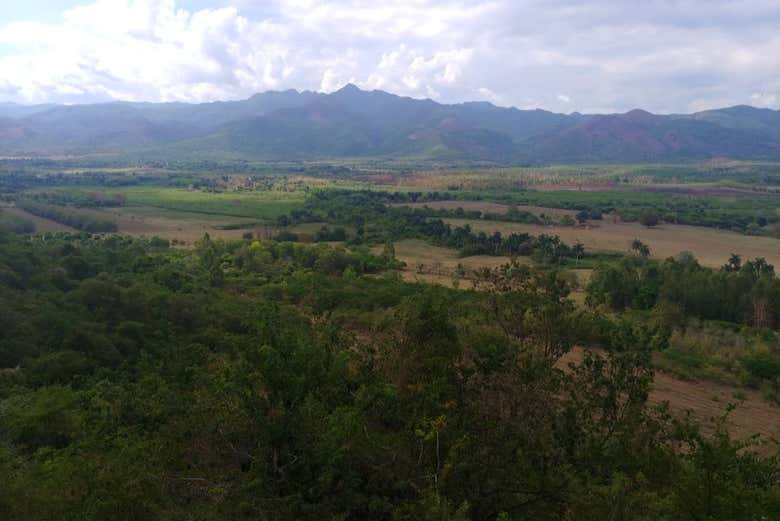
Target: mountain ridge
353 123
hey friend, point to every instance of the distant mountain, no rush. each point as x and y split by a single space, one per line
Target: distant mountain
355 123
639 136
215 114
12 110
743 117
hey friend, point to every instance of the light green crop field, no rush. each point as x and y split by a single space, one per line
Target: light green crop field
261 205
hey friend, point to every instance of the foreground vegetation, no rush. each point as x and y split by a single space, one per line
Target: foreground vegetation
247 380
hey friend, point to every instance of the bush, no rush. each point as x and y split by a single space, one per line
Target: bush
649 219
762 364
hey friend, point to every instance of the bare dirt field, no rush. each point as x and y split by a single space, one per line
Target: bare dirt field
708 400
710 246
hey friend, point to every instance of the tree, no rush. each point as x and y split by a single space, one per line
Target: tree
582 216
648 219
640 248
388 252
578 250
734 264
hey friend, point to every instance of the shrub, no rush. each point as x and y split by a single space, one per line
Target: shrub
648 219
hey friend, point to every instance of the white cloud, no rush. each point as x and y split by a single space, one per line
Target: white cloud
558 54
762 99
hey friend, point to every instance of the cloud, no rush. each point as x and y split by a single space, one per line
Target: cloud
662 55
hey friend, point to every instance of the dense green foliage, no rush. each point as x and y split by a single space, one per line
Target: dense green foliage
746 293
265 380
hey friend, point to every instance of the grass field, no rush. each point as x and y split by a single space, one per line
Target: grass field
186 227
260 205
710 246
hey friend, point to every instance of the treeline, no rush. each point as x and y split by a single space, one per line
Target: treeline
263 380
740 292
78 198
754 215
374 222
750 215
511 215
68 216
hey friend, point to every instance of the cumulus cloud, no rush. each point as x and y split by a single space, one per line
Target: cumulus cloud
586 55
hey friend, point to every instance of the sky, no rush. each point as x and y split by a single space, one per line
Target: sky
591 56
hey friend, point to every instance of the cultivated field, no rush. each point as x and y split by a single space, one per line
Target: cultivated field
183 226
711 247
260 205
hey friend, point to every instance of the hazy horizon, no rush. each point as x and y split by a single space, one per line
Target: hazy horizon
365 90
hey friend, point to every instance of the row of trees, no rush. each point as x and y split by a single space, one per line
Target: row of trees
72 217
741 292
78 198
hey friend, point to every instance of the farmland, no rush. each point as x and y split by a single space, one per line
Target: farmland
258 205
710 246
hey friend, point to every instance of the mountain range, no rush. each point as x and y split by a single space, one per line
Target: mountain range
353 123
